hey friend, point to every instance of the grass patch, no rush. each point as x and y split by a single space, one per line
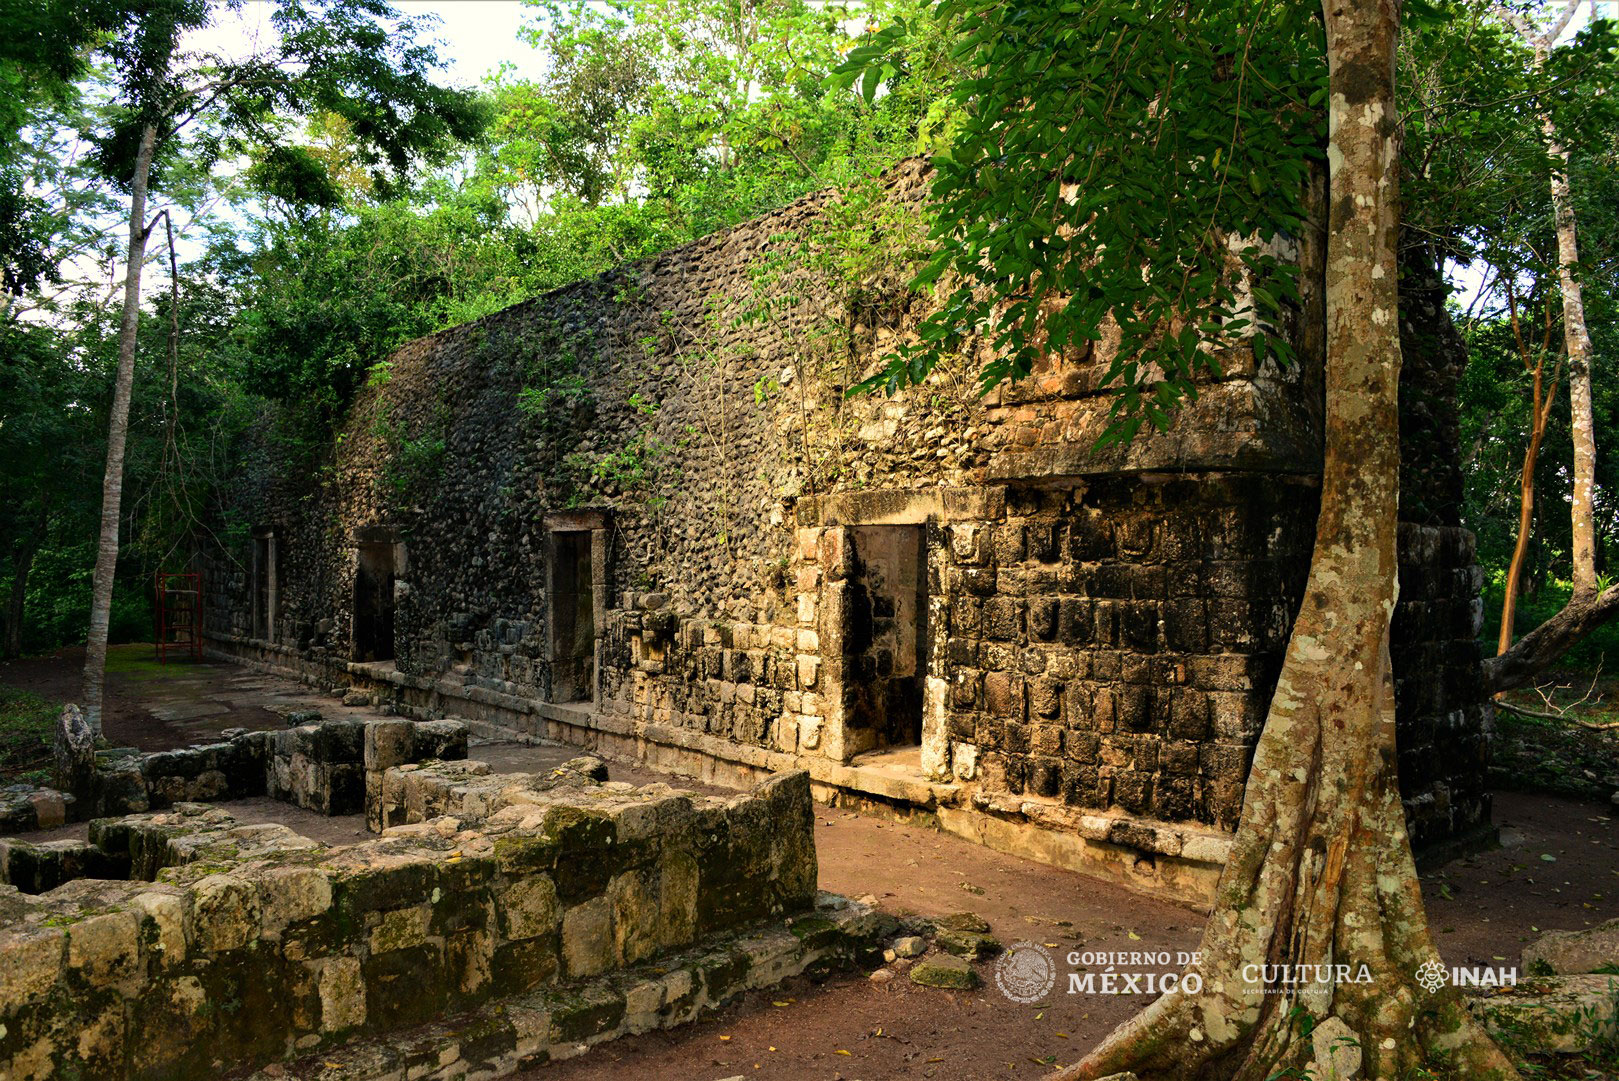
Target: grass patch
27 722
138 660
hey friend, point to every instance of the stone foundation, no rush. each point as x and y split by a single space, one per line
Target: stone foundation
229 946
548 1026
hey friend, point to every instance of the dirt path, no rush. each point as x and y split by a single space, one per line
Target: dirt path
158 707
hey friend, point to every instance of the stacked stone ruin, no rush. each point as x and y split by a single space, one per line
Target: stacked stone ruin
542 913
699 553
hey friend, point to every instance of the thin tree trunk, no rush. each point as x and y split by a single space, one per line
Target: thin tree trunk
1540 415
1577 344
1520 550
1577 339
1320 870
22 561
112 484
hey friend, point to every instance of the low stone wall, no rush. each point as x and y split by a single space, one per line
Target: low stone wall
551 1025
320 767
254 945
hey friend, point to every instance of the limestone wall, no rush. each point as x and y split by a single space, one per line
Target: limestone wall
254 944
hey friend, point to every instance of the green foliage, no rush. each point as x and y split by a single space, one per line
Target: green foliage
1114 164
27 723
412 464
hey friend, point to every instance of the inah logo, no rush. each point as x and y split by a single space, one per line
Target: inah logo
1025 972
1432 976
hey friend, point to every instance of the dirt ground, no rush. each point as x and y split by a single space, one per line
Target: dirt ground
157 707
1557 868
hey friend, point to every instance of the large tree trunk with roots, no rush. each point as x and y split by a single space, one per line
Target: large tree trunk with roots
1320 871
112 482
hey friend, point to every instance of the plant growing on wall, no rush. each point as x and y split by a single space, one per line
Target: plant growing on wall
412 463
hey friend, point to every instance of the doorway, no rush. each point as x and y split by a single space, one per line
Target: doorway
885 635
374 602
264 587
573 617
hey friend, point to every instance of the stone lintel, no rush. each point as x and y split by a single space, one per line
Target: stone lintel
904 506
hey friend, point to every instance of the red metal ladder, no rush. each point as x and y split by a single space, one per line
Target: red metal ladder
178 614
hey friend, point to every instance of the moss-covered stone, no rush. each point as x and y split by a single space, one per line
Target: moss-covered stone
577 1016
947 972
968 944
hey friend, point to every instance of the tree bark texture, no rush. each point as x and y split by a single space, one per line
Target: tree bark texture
1577 344
112 483
1320 870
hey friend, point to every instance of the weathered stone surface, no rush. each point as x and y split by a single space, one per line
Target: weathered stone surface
909 946
104 949
255 940
587 938
951 973
1556 1014
1566 953
968 944
962 921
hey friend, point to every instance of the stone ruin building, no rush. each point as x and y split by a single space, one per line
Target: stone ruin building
638 514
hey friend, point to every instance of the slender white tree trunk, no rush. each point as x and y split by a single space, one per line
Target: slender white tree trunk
1577 344
1576 339
112 483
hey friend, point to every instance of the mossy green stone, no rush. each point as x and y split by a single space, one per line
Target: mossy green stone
949 973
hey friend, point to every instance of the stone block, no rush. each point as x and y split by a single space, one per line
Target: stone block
289 895
226 914
528 907
104 949
33 964
166 913
1553 1015
587 938
341 989
1565 953
399 929
946 972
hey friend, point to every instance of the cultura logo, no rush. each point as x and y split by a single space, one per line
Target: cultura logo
1432 976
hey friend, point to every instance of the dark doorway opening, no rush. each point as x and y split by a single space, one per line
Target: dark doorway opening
264 587
374 602
573 618
885 636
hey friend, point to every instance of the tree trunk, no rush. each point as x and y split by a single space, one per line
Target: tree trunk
1526 512
22 561
1545 645
1320 871
112 483
1577 344
1539 416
